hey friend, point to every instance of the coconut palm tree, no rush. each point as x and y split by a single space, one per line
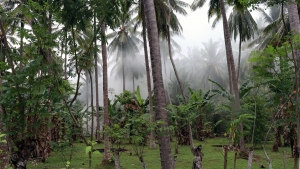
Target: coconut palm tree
105 94
192 65
214 64
144 34
164 48
217 7
124 42
273 33
241 23
159 96
168 18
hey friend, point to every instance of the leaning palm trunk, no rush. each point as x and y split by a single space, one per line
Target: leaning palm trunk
178 79
159 95
152 134
229 56
106 156
174 67
295 28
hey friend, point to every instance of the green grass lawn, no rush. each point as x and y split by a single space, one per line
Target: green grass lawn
213 157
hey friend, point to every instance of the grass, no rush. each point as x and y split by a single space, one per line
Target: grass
213 157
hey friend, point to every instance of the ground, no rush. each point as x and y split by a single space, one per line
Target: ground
213 157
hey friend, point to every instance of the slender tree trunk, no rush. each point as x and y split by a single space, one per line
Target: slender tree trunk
107 155
284 160
225 150
87 81
159 94
143 162
66 46
123 68
178 79
234 160
239 60
117 159
229 54
172 61
250 158
96 85
92 106
166 81
133 87
295 28
152 134
229 75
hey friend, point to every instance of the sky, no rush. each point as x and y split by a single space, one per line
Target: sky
197 29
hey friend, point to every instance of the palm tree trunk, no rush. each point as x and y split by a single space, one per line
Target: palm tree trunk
229 55
87 79
159 95
92 120
178 79
239 60
152 134
65 69
166 81
295 28
133 87
123 69
96 85
174 67
92 106
107 155
229 75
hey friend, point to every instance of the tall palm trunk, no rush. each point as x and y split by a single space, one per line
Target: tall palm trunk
92 106
123 68
65 46
171 57
87 81
159 95
107 155
233 79
133 86
178 79
96 85
166 81
92 119
239 59
295 28
152 134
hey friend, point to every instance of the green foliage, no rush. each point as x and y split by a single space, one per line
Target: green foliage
274 69
116 133
192 112
256 106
